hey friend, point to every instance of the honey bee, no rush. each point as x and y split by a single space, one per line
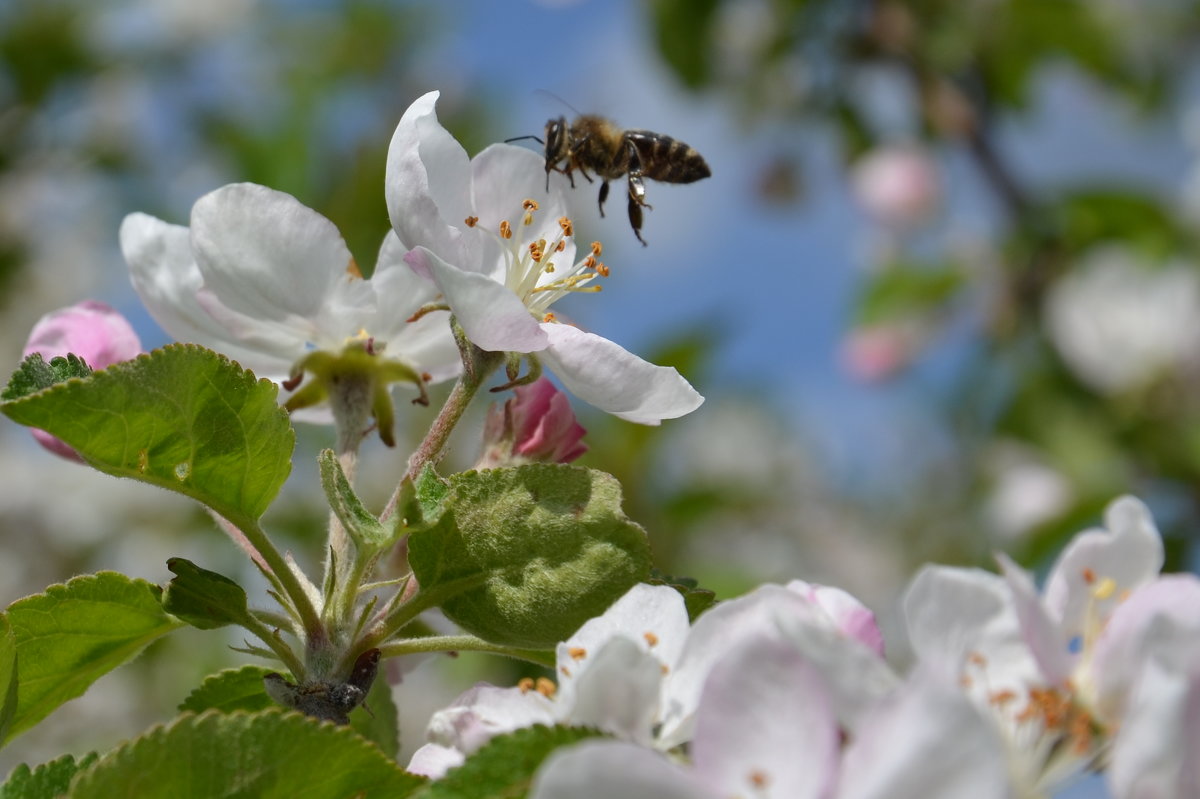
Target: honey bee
595 143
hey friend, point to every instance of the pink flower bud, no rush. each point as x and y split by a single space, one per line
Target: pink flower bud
89 329
875 353
535 425
898 185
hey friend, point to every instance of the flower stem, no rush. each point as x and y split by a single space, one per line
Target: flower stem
465 643
313 628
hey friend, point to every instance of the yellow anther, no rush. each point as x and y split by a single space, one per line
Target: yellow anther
1105 588
549 317
596 248
529 204
546 687
471 221
568 229
601 270
651 638
505 229
353 270
525 684
589 262
1089 576
536 249
562 245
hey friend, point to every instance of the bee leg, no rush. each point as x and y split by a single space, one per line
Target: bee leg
637 201
603 196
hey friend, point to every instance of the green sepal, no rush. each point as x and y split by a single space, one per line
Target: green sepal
202 598
695 599
368 534
523 556
34 374
506 765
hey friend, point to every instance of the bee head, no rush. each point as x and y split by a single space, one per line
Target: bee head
557 144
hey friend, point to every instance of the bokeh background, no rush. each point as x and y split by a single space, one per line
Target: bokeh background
942 290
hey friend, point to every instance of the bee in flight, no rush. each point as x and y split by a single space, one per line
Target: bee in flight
595 143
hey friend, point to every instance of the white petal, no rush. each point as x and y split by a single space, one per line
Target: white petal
617 691
765 727
1157 751
1129 552
615 380
428 186
427 344
652 616
611 769
926 742
264 254
504 177
492 316
166 277
484 711
434 760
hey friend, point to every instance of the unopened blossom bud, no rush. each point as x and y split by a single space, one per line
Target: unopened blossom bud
535 425
92 330
897 185
874 353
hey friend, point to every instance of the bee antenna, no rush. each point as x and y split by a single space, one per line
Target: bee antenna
522 138
556 98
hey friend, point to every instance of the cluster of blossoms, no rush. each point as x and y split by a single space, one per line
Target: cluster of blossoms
785 692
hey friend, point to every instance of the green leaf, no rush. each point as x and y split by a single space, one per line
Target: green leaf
684 32
34 374
69 636
182 418
506 765
377 718
266 755
365 530
8 676
202 598
906 289
230 690
695 599
47 781
526 555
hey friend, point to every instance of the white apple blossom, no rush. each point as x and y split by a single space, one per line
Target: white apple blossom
1065 673
898 185
501 251
1119 323
268 281
767 726
638 671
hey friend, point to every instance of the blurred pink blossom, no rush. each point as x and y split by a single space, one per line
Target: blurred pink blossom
535 425
898 185
93 331
874 353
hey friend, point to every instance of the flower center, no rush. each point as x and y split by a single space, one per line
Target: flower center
534 274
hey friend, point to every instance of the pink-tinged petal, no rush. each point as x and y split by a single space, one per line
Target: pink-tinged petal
1046 641
1159 622
264 254
766 727
651 616
611 769
485 711
546 428
615 380
93 331
617 692
427 343
1129 552
927 741
428 186
90 329
1156 754
492 316
852 617
434 760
